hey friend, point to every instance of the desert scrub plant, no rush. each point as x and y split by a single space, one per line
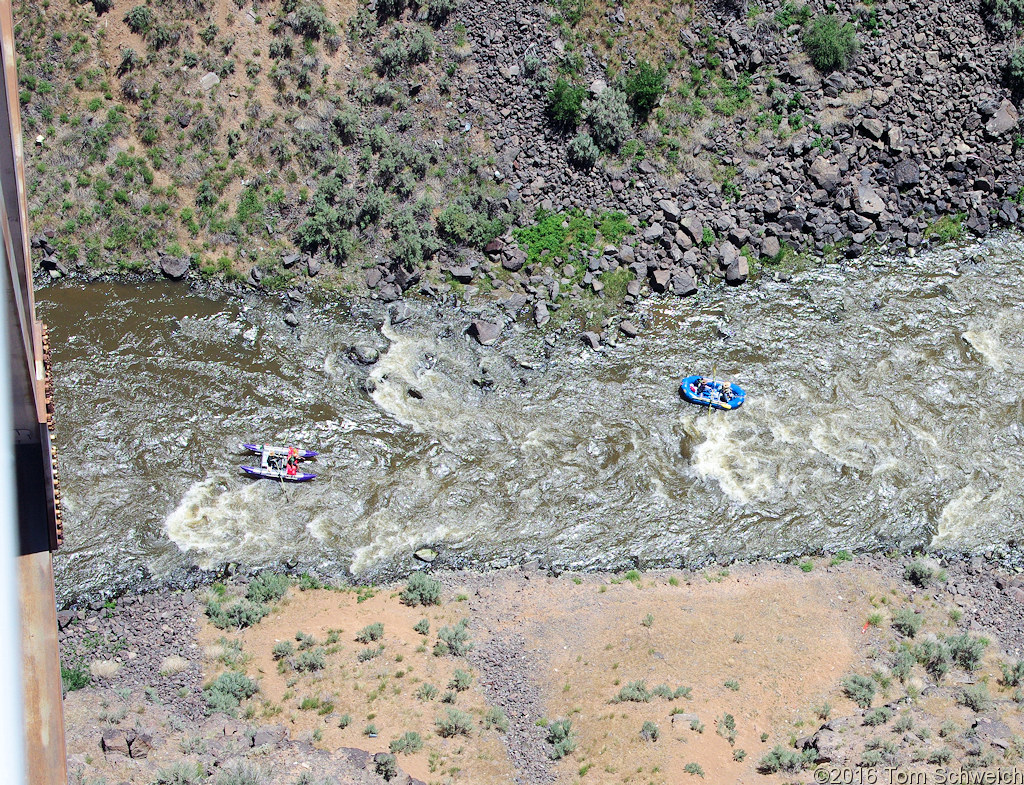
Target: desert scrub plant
901 663
139 20
173 665
634 692
919 573
422 627
386 766
785 760
227 691
975 697
370 633
966 650
1003 15
582 151
859 689
907 622
238 615
460 681
726 728
732 684
561 739
406 744
311 660
453 640
935 656
426 692
181 773
421 590
309 19
74 677
609 119
565 103
452 723
268 587
305 640
649 731
644 87
438 11
940 757
878 716
367 654
694 769
496 718
1013 674
830 43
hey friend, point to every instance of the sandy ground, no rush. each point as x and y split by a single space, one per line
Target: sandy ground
767 645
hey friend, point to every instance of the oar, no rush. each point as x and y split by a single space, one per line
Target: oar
711 390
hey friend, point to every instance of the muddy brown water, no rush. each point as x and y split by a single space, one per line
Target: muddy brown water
884 410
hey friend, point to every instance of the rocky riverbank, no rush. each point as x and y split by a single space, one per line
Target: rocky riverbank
748 672
751 159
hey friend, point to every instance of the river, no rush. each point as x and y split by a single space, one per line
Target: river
884 410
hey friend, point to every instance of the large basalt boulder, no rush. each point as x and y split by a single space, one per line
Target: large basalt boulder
906 174
174 267
736 273
1005 119
269 735
114 742
485 333
825 173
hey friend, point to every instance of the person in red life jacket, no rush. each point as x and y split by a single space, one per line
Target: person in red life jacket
292 464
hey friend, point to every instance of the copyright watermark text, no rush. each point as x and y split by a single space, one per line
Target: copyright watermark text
893 776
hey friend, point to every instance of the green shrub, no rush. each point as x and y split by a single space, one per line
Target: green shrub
830 43
561 739
386 766
903 724
181 773
283 649
461 680
940 757
644 87
726 728
902 662
495 718
878 716
966 651
1004 15
311 21
1013 674
268 587
781 759
74 678
694 768
312 660
609 119
453 722
305 641
371 632
582 151
450 697
565 103
139 20
792 14
975 697
1015 68
859 689
907 622
649 731
422 627
453 640
426 692
238 615
634 691
438 11
227 691
406 744
240 774
918 573
344 721
935 656
422 590
365 655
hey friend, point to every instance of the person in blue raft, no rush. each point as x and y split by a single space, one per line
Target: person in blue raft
704 391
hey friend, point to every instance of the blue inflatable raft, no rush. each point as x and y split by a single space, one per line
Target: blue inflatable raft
711 392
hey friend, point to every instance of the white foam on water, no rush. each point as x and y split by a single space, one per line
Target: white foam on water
222 523
398 538
726 459
973 518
